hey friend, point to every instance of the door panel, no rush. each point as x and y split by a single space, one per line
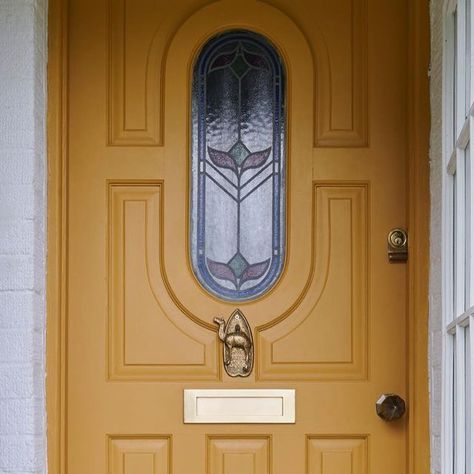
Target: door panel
145 326
335 455
324 335
335 31
140 326
238 454
139 455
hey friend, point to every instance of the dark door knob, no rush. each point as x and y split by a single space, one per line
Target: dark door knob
390 407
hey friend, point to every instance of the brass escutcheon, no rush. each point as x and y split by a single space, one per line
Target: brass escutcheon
397 245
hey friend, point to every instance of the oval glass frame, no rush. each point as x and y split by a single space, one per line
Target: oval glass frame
238 166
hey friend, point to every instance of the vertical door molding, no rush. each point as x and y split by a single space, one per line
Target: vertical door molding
56 331
418 120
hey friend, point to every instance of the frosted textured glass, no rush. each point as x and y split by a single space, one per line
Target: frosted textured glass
238 170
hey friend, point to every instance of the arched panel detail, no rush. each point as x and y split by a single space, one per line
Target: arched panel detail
274 25
326 337
137 56
340 54
138 297
172 271
136 59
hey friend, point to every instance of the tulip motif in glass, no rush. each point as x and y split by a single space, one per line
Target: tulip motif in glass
238 166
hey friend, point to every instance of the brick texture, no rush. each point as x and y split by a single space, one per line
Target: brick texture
22 236
436 171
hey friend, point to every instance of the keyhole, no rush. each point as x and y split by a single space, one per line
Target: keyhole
397 239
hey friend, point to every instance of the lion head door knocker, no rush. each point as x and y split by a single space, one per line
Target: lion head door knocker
238 344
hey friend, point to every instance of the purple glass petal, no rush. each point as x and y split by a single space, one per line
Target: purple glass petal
222 60
255 60
222 159
221 271
255 271
255 160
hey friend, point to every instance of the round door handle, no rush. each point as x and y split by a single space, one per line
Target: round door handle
390 407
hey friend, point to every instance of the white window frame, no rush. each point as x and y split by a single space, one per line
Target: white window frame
458 239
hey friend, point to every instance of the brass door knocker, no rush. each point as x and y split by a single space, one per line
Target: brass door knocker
238 344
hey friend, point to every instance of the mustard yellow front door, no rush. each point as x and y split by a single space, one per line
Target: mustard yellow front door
331 321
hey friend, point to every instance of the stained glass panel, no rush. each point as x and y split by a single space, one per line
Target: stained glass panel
238 174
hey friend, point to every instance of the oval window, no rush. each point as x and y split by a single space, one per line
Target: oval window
238 166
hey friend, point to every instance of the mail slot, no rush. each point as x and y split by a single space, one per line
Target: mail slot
239 406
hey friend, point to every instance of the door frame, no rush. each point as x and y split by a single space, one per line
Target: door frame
418 129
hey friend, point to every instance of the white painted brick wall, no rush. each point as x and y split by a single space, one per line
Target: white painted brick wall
22 235
436 170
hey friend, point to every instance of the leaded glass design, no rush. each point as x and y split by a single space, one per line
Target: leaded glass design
238 175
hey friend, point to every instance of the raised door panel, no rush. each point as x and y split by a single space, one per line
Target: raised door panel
140 33
317 340
239 454
325 337
337 33
139 455
145 326
337 455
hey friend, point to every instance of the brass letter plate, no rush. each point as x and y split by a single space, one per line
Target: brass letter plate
239 406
